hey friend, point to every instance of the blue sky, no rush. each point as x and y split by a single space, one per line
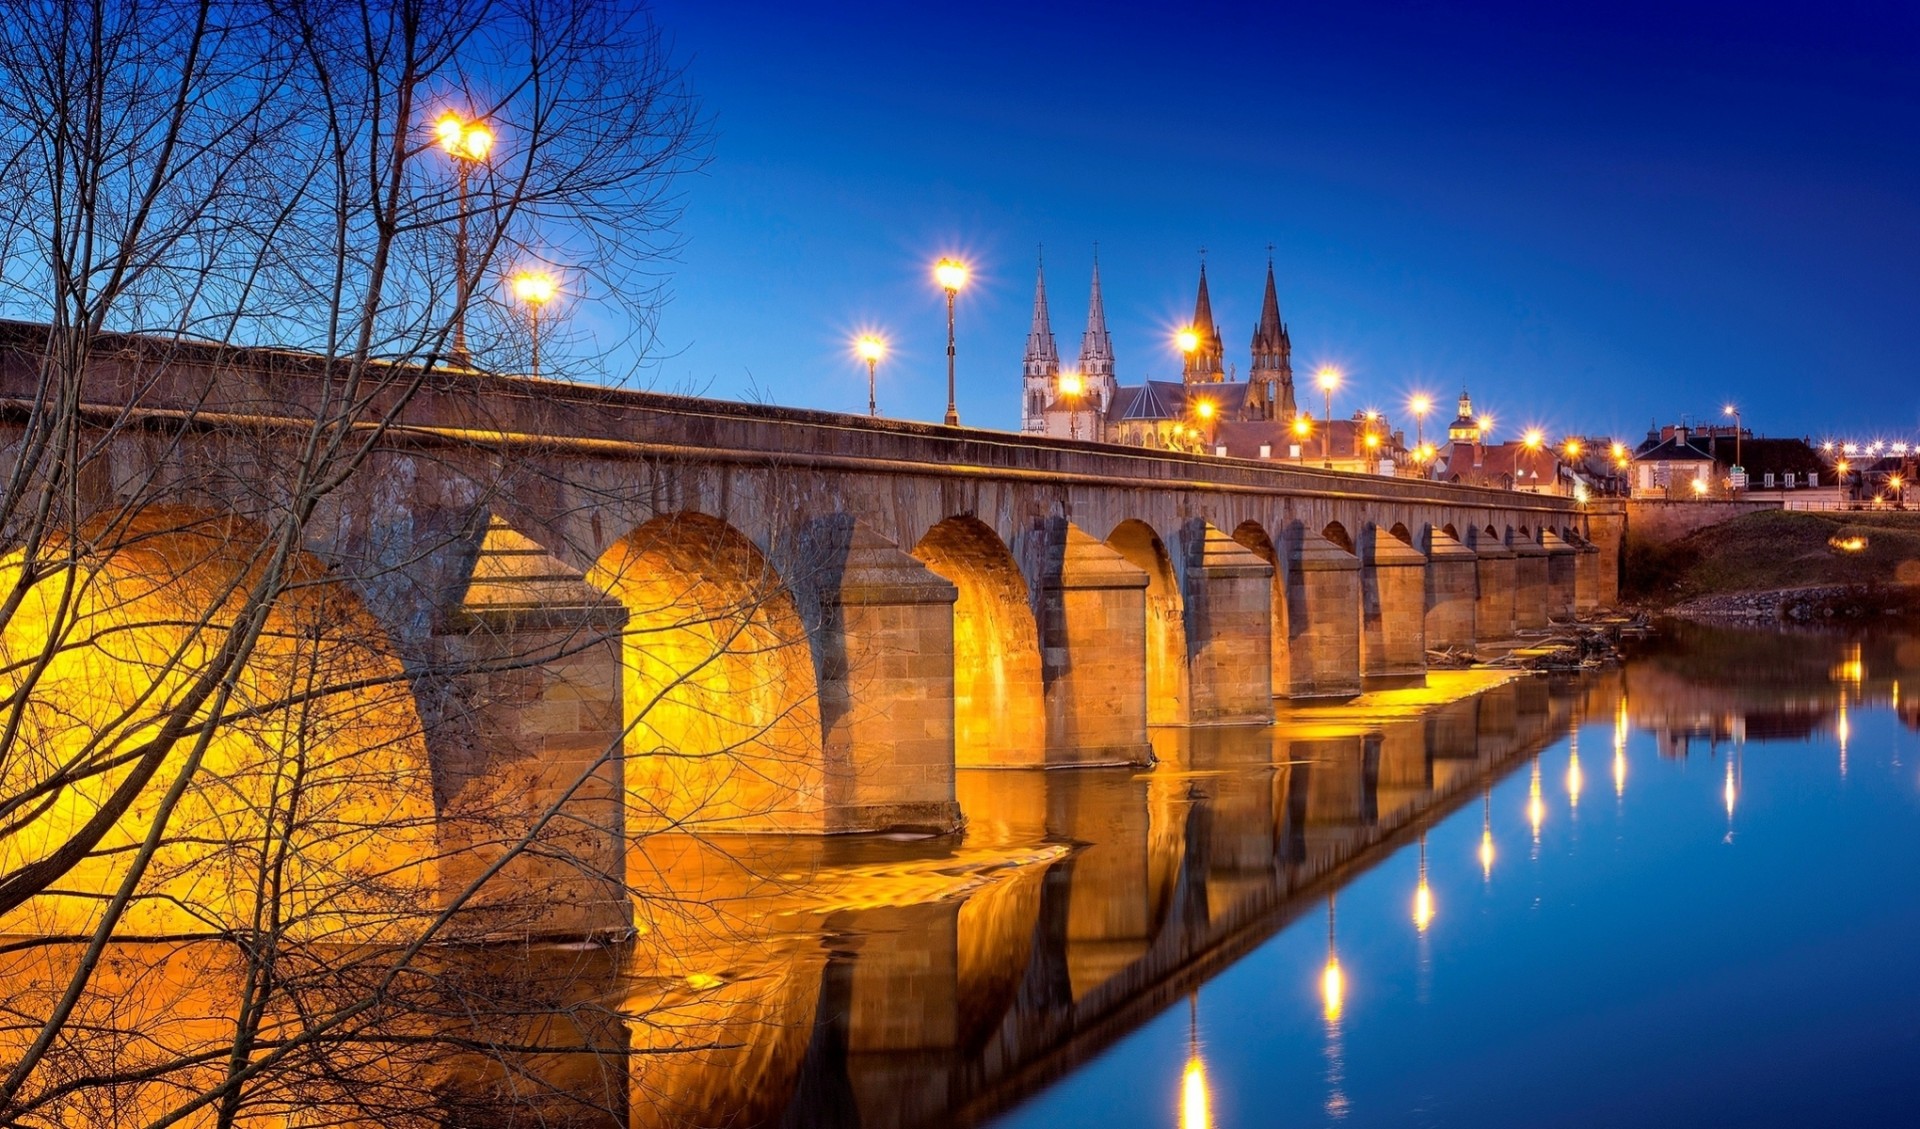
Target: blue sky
1591 215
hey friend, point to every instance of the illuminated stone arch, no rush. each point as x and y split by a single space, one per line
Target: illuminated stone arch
999 701
1253 536
320 701
1168 694
720 697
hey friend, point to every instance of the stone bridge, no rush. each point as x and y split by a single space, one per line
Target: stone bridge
846 608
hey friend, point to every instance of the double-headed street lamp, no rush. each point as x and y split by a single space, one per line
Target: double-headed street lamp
870 347
1329 378
951 274
467 141
535 288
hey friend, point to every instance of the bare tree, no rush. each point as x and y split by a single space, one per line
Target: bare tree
227 241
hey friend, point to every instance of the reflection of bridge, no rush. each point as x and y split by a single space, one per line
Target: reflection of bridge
868 994
902 598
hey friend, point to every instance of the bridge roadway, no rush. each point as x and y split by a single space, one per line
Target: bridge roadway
801 621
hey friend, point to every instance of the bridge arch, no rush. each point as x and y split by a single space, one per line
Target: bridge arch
720 699
1168 693
147 611
1337 533
1401 534
998 695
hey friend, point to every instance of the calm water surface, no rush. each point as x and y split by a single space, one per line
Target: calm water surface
1699 908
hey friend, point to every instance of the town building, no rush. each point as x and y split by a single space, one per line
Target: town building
1679 461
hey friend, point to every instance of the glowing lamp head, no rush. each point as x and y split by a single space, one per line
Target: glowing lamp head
1187 340
1827 446
1372 440
1302 426
1329 378
1532 439
1843 466
535 288
1574 447
1420 405
1849 448
1484 425
1729 410
1071 384
1204 409
1699 486
950 273
870 347
1895 481
466 140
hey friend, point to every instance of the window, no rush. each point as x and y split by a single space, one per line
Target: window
1767 480
1266 450
1788 481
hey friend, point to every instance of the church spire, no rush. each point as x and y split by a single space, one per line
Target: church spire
1271 377
1041 367
1203 365
1096 347
1040 347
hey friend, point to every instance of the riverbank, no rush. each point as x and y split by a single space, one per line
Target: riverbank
1782 566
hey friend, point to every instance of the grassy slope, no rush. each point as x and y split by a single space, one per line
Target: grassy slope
1776 549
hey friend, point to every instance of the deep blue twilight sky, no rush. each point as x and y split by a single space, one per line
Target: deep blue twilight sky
1590 214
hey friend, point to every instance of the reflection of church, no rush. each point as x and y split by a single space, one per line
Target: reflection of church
1089 403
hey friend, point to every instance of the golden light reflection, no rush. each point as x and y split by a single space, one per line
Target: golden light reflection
1333 982
1576 780
1422 894
1620 749
1536 807
1196 1104
1843 729
1729 791
1486 834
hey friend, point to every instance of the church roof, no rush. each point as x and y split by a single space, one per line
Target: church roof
1672 450
1173 399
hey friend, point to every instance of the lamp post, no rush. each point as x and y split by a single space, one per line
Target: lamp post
1302 431
1619 453
1071 386
1420 405
535 288
467 141
1482 428
1531 442
1734 411
952 275
1370 441
1203 412
871 348
1329 378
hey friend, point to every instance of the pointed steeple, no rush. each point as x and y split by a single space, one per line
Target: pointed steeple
1271 377
1203 365
1096 347
1040 348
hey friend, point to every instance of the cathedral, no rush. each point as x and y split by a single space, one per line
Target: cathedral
1208 402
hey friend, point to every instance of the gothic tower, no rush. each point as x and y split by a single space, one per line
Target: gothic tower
1041 368
1204 364
1270 390
1096 351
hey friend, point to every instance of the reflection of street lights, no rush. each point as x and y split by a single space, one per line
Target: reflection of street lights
1422 893
1333 982
871 348
468 142
1071 386
1302 431
1329 378
952 275
536 288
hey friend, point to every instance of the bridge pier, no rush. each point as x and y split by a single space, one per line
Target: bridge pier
1562 564
1093 652
1393 649
1451 589
1229 613
1586 579
887 690
1323 619
536 708
1494 571
1529 582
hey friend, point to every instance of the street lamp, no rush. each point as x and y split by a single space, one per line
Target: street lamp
1302 431
1204 411
1734 411
1420 405
871 348
1071 386
1897 483
1482 428
952 275
1329 378
1188 340
467 141
535 288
